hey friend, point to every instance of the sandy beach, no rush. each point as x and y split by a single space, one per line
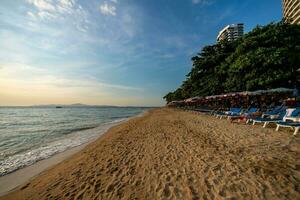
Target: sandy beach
174 154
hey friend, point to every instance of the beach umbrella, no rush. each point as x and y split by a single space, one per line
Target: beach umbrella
257 92
188 100
280 90
246 93
193 99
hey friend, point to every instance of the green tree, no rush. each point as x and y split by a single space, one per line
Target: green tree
267 57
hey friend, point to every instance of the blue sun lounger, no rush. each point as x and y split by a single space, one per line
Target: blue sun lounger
288 114
274 111
292 117
246 113
293 125
249 111
252 110
231 112
266 121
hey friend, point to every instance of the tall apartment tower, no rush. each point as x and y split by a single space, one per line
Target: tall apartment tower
231 32
291 11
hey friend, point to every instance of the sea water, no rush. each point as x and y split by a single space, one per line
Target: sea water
30 134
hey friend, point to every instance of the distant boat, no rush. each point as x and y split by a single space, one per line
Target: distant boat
58 107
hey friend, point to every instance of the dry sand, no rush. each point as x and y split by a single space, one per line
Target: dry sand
172 154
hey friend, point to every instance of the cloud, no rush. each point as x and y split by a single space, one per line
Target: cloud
59 10
58 34
45 15
52 5
30 14
67 3
65 6
42 4
27 84
108 9
33 75
54 8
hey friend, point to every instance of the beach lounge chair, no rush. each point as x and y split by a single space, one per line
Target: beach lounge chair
293 125
231 112
292 115
244 115
288 114
252 110
266 121
216 111
274 111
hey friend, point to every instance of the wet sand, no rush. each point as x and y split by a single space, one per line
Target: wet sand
15 179
172 154
12 180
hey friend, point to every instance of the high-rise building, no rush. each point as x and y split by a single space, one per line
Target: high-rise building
291 11
231 32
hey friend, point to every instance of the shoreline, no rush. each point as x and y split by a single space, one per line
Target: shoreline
173 154
11 181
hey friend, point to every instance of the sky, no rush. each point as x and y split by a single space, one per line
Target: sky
110 52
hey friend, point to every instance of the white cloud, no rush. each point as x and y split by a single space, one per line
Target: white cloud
50 38
68 3
25 84
66 6
61 10
42 4
55 7
32 75
52 5
30 14
45 15
107 9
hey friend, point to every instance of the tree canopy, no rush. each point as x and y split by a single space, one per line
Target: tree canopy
265 58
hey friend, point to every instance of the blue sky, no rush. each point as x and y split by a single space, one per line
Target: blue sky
119 52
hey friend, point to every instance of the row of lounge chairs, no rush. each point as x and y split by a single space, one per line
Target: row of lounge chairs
281 115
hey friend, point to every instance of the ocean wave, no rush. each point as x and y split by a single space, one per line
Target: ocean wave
117 120
25 140
72 130
122 117
23 159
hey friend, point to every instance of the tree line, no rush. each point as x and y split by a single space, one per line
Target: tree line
267 57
